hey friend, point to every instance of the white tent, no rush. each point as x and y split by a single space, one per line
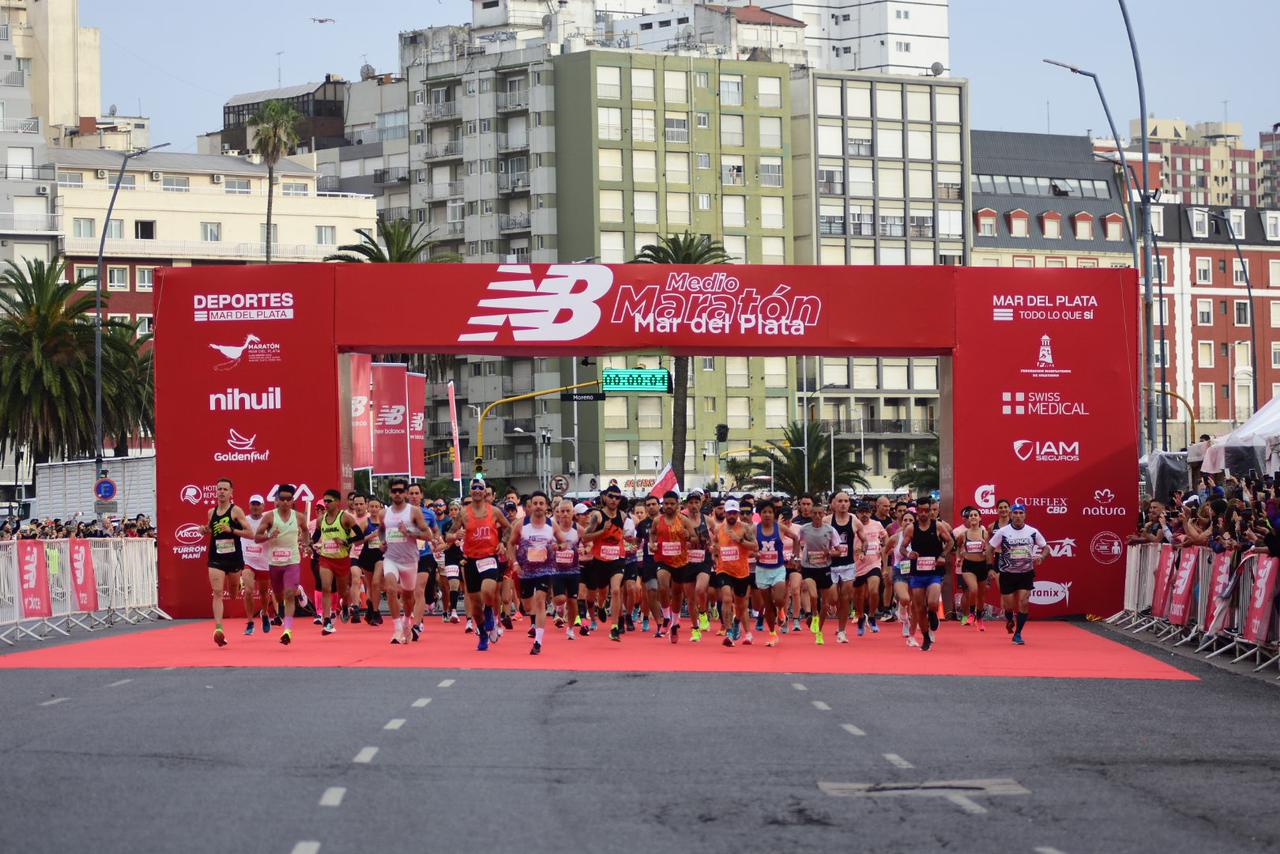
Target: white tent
1259 435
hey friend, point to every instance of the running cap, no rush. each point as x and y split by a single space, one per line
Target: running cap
696 493
612 489
256 499
1019 507
581 508
477 483
731 506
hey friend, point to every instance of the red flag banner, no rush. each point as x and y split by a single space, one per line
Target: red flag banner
1184 584
390 404
1257 620
33 580
361 411
1164 572
666 481
417 425
453 424
1221 579
84 580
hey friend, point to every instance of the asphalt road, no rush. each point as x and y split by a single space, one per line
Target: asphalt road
240 760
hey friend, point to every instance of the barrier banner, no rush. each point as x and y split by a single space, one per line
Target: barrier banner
1184 584
84 581
453 425
1164 573
1257 620
361 412
417 425
33 580
390 403
1221 575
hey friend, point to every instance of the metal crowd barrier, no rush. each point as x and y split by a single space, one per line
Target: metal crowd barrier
60 586
1224 603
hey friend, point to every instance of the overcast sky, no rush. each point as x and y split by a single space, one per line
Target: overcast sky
181 60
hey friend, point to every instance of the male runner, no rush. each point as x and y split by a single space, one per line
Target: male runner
697 572
820 542
844 567
427 564
532 546
335 529
929 541
481 532
669 537
370 559
225 526
606 532
402 526
259 578
735 542
449 570
866 586
568 568
771 567
883 514
285 532
652 593
1022 548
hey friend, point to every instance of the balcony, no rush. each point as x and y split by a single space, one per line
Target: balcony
392 175
394 214
31 223
443 150
28 173
31 125
448 230
519 255
14 78
440 192
923 427
677 135
513 182
328 184
513 222
515 100
518 426
441 110
516 142
831 188
180 249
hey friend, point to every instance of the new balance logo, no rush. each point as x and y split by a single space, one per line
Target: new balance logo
391 416
561 307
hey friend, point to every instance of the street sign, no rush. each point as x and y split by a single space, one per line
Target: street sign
581 396
635 380
100 507
104 489
559 484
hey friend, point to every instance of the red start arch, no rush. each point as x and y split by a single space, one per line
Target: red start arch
1040 393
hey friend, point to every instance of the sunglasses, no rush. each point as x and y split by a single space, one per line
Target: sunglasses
284 498
396 489
330 500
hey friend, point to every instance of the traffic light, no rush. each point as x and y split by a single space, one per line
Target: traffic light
722 432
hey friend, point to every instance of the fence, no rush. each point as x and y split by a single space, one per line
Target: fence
1223 602
52 587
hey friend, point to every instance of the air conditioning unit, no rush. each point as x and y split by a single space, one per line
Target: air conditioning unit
101 173
156 176
217 179
42 190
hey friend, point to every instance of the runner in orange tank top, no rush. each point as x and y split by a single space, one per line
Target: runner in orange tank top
672 532
481 533
735 541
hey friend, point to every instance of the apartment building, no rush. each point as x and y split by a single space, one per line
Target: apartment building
910 37
322 106
177 210
28 224
1269 168
1205 163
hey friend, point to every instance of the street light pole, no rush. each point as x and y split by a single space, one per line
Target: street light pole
97 308
1253 328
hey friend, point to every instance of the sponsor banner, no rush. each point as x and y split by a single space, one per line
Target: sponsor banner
84 581
361 412
453 426
417 390
1164 574
33 580
1185 580
1221 575
1257 617
390 402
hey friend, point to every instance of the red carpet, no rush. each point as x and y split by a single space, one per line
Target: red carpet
1054 649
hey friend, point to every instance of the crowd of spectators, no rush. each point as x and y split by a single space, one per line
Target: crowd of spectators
14 528
1231 515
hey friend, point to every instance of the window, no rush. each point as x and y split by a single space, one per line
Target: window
735 246
128 182
737 371
144 229
83 227
771 173
772 250
1273 271
649 411
642 84
677 127
769 91
617 456
117 278
1114 229
85 273
677 209
1204 271
902 46
704 201
326 235
71 179
731 170
677 167
1204 354
704 160
611 206
146 324
1157 221
608 82
1241 312
1204 312
1018 226
1160 358
644 166
770 132
986 225
1236 218
771 214
645 208
643 126
829 140
675 86
1275 354
1239 273
612 247
236 186
176 184
703 120
948 143
146 278
919 144
1275 313
615 413
210 232
735 211
738 413
709 364
889 140
1272 223
730 90
610 163
609 123
294 188
650 455
775 413
1084 227
1199 222
835 371
731 130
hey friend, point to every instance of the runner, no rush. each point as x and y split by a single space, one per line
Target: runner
370 559
427 564
533 547
929 542
975 566
771 567
284 532
225 526
735 542
819 542
336 528
1022 548
632 584
586 621
669 537
652 591
796 593
844 567
697 572
901 566
866 586
449 573
568 569
259 579
402 526
606 532
884 515
481 532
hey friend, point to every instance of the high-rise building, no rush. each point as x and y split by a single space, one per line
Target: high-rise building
885 36
1203 164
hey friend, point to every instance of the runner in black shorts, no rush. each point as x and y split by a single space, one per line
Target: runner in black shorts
972 545
370 561
225 526
697 572
606 532
651 594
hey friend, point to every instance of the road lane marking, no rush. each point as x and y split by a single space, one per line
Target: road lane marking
1045 849
332 796
958 792
119 682
798 686
306 848
445 683
967 805
365 756
55 701
851 729
821 706
421 702
897 761
394 723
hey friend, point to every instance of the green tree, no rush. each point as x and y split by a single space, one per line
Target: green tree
128 385
686 248
275 126
396 242
788 459
921 472
739 470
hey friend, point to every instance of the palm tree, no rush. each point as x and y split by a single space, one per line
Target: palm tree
684 248
128 384
276 134
787 459
740 471
397 242
921 472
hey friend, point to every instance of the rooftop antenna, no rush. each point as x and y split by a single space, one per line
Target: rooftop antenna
279 75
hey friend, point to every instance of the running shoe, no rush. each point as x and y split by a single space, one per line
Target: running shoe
318 621
906 629
704 622
1017 638
536 649
728 641
570 633
577 621
982 624
559 622
377 618
748 640
964 619
760 623
660 633
355 613
888 617
601 615
287 637
912 642
675 632
533 631
644 626
814 625
773 638
594 625
635 613
796 627
416 632
786 627
928 642
615 634
248 629
266 624
219 638
875 627
484 643
933 620
695 636
453 617
631 624
506 621
369 611
819 639
471 626
841 637
344 614
276 621
328 627
862 629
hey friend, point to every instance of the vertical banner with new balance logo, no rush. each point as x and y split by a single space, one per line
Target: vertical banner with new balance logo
1261 605
417 425
33 580
84 581
390 400
361 411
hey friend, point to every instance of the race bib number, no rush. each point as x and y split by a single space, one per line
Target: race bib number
973 547
819 559
872 548
439 556
671 549
395 535
374 542
1020 552
564 557
329 547
225 547
697 555
285 555
769 556
536 554
254 550
841 550
926 564
610 553
729 554
904 567
486 563
788 553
